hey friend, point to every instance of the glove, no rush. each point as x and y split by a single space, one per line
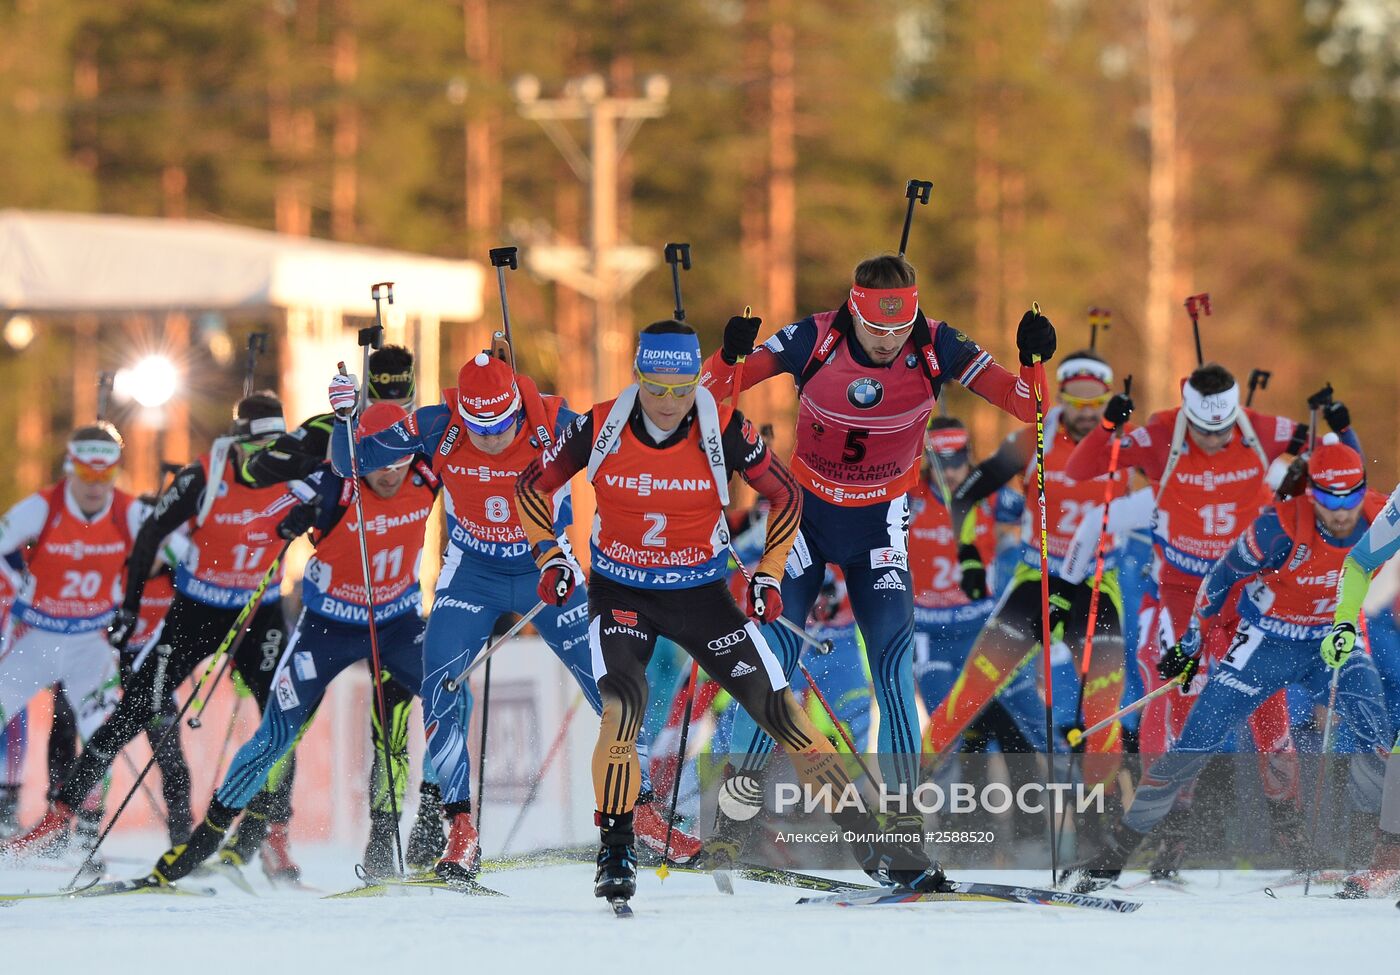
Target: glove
556 579
1337 415
765 602
1182 658
1035 338
1119 408
974 574
740 333
344 394
1338 645
121 627
298 521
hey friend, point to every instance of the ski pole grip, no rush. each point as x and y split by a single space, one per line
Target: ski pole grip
505 257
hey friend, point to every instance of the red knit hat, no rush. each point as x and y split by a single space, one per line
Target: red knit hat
486 391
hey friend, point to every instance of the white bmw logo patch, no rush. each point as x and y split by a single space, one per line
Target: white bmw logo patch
865 393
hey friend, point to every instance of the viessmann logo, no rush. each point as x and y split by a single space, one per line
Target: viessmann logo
80 550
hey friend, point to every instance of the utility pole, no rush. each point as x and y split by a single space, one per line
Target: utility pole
607 268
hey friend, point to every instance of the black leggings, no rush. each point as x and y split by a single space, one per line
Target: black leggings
624 624
192 632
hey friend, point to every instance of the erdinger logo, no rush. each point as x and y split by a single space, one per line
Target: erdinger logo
625 617
891 305
865 393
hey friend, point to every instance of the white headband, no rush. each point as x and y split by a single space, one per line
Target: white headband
1215 412
97 454
1084 367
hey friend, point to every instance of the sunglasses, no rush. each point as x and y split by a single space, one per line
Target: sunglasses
678 390
492 429
93 475
1212 434
1338 502
1080 402
881 331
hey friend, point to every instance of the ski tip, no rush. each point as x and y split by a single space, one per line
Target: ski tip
1270 892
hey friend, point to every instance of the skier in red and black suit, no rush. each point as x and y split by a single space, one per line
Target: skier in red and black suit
867 376
660 457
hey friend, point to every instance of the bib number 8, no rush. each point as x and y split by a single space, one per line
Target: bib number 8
497 510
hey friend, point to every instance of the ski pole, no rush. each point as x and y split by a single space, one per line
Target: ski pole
1108 487
1099 557
1099 318
372 337
1195 305
502 258
538 780
451 684
678 256
231 642
1321 770
1258 379
1039 382
481 757
1075 736
915 191
257 344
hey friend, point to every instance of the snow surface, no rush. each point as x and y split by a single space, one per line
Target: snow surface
551 923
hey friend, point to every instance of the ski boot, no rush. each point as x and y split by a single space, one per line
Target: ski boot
426 840
738 803
616 878
461 861
243 843
49 832
1171 848
9 811
276 856
380 859
183 858
1289 834
1382 877
654 831
897 858
1105 866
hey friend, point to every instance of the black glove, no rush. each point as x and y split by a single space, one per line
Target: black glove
974 572
740 333
1035 338
298 521
1119 408
1177 660
121 627
1337 415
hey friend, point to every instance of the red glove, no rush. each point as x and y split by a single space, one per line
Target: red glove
556 580
765 602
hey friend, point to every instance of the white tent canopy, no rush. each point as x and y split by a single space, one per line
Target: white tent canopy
73 262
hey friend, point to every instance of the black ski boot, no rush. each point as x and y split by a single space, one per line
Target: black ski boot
426 840
244 842
379 859
617 858
1171 848
897 857
181 859
1289 833
1106 866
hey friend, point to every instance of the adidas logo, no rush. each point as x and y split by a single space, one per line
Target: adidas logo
889 580
742 669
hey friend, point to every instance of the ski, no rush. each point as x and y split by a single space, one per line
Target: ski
231 873
141 885
384 885
1161 883
775 875
553 856
961 890
620 907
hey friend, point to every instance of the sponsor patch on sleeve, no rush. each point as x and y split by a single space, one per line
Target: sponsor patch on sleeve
884 558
